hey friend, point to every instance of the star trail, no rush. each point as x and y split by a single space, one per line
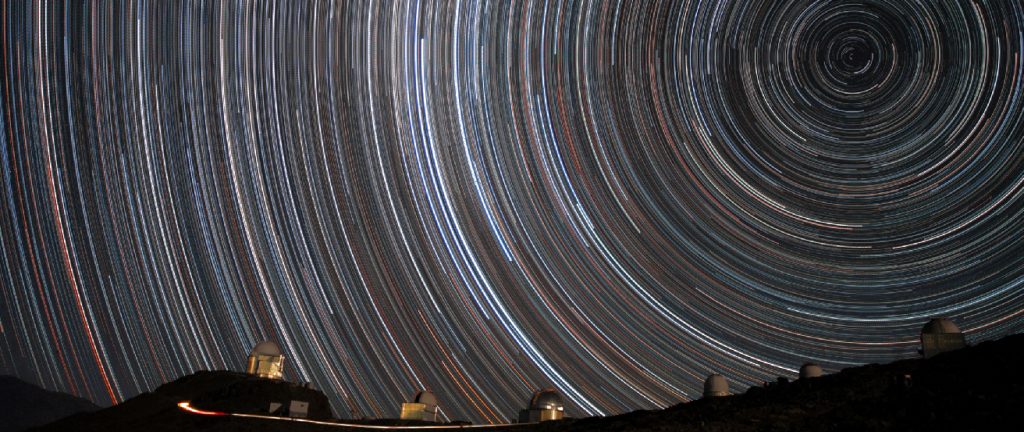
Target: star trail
482 198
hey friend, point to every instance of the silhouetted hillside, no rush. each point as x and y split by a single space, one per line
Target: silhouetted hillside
976 388
26 405
220 391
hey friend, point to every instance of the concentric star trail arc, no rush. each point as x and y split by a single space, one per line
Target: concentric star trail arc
615 199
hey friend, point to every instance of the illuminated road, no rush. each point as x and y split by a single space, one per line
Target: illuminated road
186 406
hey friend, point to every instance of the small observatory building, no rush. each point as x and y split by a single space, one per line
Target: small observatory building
266 361
423 406
546 404
716 386
941 335
810 370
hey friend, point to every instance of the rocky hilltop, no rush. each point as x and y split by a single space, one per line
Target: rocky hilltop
975 388
214 391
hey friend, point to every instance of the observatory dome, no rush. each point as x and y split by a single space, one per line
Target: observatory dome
940 326
266 361
423 406
810 370
715 386
941 335
266 348
546 399
426 398
546 404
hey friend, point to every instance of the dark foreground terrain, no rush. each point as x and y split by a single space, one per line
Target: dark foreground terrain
25 405
977 388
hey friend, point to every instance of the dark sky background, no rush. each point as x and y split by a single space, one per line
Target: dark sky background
484 198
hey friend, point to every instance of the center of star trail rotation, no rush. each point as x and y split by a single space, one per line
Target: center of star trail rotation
485 198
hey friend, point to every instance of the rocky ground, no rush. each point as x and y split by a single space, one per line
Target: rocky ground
976 388
216 391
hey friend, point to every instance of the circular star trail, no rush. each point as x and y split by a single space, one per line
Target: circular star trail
485 198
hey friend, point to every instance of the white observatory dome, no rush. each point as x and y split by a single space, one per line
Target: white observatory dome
266 361
426 398
810 370
546 399
715 386
266 348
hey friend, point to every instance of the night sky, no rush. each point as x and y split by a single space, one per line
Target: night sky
485 198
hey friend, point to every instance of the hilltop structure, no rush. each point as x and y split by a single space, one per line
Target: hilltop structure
545 405
810 370
954 391
266 361
940 335
716 386
422 407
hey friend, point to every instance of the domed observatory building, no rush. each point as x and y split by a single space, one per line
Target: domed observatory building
716 386
941 335
266 361
810 370
546 404
422 407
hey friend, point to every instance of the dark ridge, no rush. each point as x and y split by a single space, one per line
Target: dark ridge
214 391
26 405
975 388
